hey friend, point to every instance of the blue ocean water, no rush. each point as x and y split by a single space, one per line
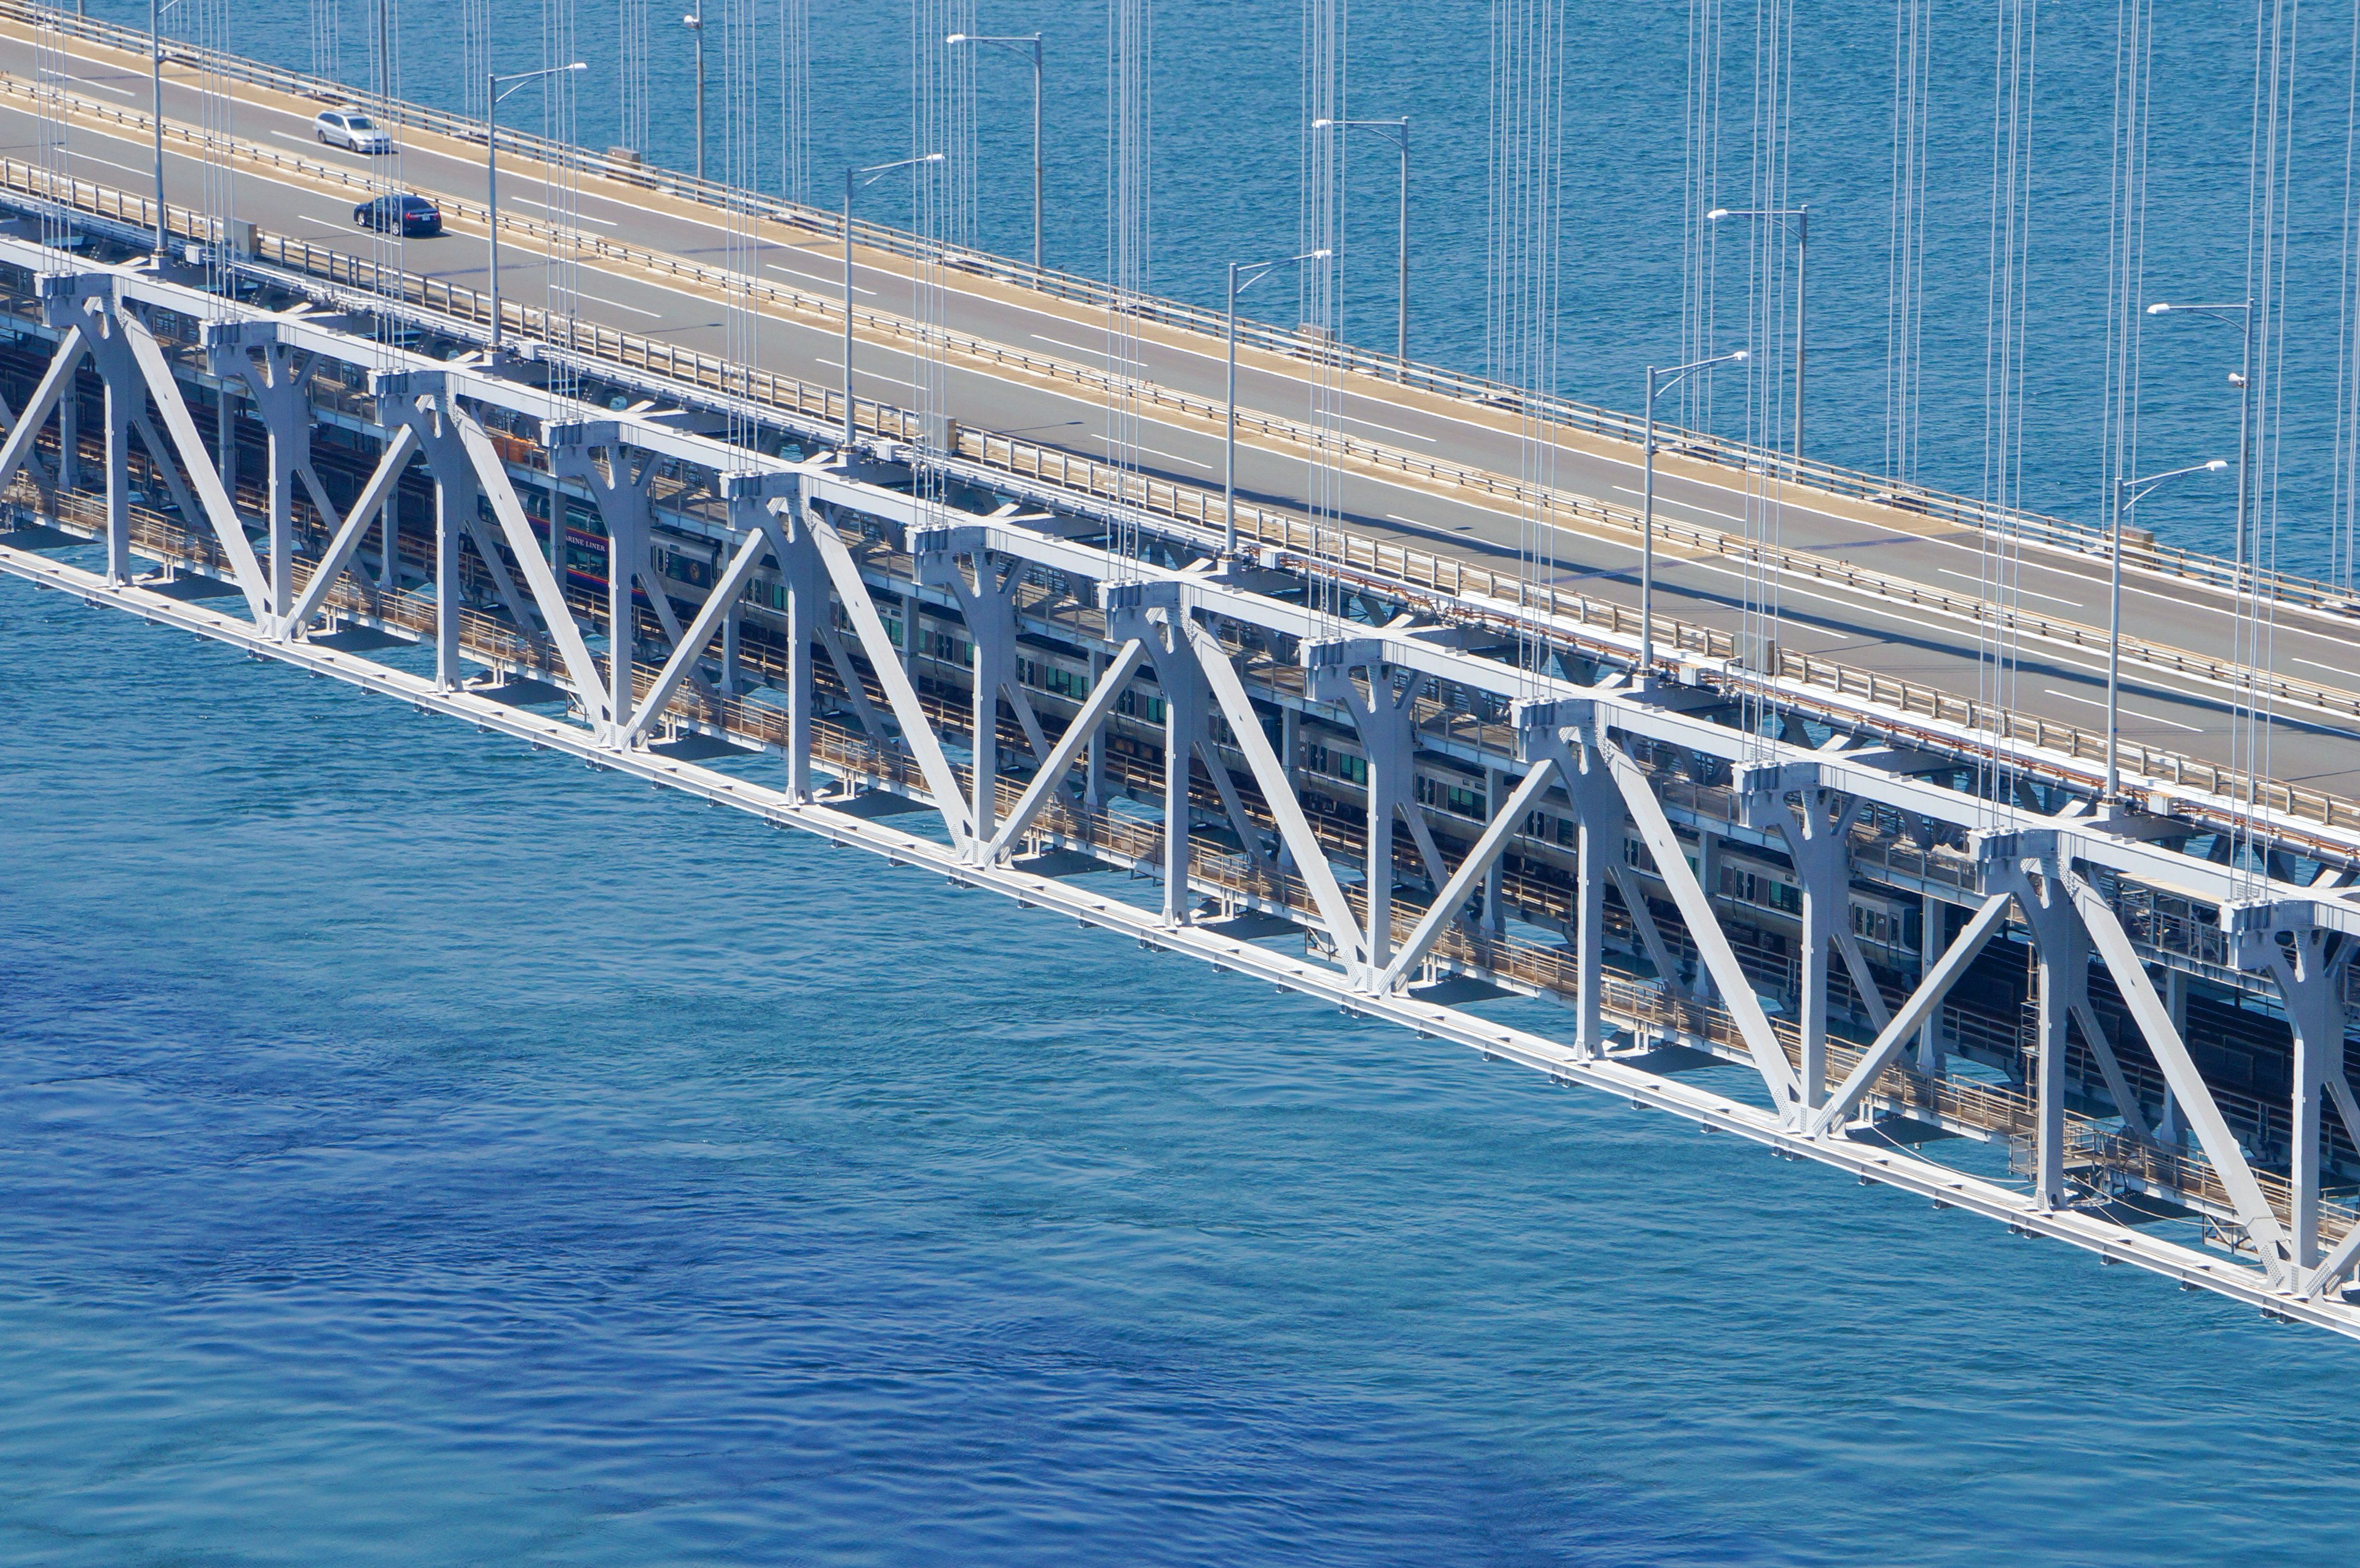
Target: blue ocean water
419 1150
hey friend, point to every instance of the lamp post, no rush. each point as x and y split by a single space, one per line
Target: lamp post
493 94
2124 501
2242 381
1025 45
1802 217
694 23
1242 277
1660 381
852 179
1397 133
155 14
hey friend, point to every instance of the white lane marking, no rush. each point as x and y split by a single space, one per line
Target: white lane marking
1691 505
1061 343
339 224
2347 674
1969 577
2127 713
528 202
1389 430
1783 591
1170 456
103 87
314 142
617 304
873 375
146 173
837 280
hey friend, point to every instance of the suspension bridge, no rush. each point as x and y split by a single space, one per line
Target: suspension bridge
1392 728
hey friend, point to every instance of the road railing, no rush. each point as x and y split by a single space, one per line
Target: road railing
1313 348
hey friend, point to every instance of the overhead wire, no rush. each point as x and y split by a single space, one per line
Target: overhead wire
1700 177
1772 322
795 100
1521 277
2006 294
2268 232
1130 43
1913 55
1319 240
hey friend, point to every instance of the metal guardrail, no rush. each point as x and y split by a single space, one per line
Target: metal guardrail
1451 589
1313 349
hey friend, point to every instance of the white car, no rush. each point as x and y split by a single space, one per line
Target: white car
351 129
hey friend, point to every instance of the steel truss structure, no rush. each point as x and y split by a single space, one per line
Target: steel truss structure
1635 817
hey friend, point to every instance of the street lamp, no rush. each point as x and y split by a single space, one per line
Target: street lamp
852 178
1802 216
1660 381
694 23
2124 502
1032 45
492 96
2242 381
155 14
1397 133
1251 273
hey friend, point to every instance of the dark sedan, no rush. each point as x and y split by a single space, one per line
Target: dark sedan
416 214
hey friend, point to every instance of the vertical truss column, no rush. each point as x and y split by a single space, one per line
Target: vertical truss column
68 433
2308 966
2062 949
275 377
1386 721
120 406
1817 841
809 618
1094 763
989 606
1933 941
1178 651
457 497
1597 848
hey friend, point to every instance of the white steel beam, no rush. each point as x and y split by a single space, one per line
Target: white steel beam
53 383
2109 1066
381 482
1052 773
917 730
691 644
1278 790
2188 1087
228 531
580 668
1480 859
1737 997
1899 1030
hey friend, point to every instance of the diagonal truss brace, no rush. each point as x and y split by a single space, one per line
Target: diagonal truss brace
54 381
1077 734
761 540
203 476
580 668
1902 1029
1729 977
387 474
2188 1087
917 729
1278 790
1504 824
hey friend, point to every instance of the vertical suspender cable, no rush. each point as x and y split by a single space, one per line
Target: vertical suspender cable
1521 289
1130 57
